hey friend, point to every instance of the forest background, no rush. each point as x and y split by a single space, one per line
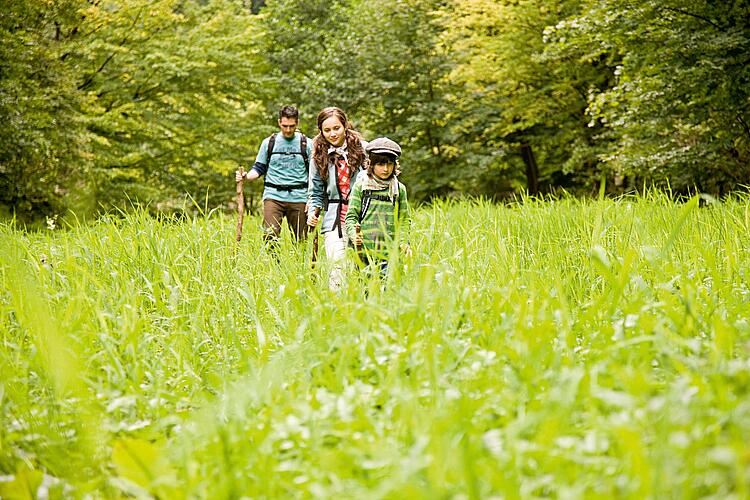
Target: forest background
106 104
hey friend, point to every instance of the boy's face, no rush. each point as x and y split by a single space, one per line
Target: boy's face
383 170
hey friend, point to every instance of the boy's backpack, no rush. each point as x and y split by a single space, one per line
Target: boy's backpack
367 197
302 152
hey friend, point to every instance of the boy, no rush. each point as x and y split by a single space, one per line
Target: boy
378 208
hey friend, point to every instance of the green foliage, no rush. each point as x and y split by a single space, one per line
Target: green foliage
299 44
514 97
678 109
44 156
565 347
120 102
403 91
125 101
173 99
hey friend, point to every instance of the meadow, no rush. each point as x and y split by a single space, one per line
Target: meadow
562 348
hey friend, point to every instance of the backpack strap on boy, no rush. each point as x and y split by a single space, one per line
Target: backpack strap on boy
367 197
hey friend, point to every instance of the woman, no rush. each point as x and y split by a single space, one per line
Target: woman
338 156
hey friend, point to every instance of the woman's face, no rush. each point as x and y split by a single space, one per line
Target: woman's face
333 131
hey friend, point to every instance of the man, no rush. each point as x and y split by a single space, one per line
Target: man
283 160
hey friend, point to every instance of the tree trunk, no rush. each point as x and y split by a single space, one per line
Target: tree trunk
532 169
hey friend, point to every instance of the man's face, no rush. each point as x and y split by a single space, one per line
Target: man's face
287 126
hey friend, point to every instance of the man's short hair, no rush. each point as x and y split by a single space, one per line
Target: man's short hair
289 112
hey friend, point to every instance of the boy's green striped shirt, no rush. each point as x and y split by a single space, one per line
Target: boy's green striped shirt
383 220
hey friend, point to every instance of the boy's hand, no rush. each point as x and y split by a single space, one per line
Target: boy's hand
358 240
238 175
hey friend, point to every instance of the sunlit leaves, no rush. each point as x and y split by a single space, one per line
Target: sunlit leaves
678 106
511 95
43 150
174 86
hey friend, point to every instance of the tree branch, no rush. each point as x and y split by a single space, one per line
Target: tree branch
686 13
744 124
90 79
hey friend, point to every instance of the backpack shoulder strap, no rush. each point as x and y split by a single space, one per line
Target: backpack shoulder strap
366 198
269 150
303 150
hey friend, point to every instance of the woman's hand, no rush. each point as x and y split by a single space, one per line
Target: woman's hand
239 175
312 218
406 250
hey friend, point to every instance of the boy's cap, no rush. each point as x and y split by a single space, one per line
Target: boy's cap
383 145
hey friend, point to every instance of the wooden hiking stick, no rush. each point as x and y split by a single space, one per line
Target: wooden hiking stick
358 246
358 230
315 240
240 203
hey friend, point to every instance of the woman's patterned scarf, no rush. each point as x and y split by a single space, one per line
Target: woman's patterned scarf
341 151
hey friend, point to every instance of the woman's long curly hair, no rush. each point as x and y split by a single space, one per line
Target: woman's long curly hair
355 154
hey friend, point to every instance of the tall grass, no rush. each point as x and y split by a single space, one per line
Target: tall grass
565 348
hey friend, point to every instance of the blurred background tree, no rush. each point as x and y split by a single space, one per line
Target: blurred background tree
45 158
679 107
111 103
